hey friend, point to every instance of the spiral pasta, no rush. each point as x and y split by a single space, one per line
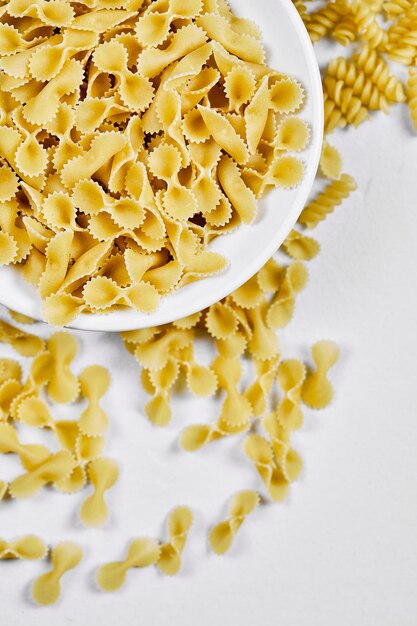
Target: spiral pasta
362 87
341 106
324 20
368 27
319 208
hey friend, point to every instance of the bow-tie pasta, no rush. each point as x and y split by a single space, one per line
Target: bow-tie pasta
131 135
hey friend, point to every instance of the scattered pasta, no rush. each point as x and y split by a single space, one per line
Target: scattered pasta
73 260
222 535
317 391
28 547
179 523
102 474
142 552
47 588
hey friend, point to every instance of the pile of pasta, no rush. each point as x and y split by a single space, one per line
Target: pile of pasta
261 415
26 403
132 134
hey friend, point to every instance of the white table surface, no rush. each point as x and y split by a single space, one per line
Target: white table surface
342 550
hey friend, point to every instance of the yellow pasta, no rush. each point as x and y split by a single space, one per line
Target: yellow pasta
179 524
124 124
29 547
222 535
55 468
63 385
291 375
287 459
30 455
300 247
330 161
102 473
47 588
325 203
281 308
259 451
317 390
94 382
33 411
142 552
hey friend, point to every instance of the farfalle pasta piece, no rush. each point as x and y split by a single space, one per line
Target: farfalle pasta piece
263 343
142 552
9 183
317 391
94 382
179 524
290 377
260 452
41 108
284 171
24 343
61 309
239 86
28 547
243 46
152 61
53 13
222 535
300 247
240 196
135 90
249 295
288 460
292 134
102 149
195 437
20 318
236 409
205 157
158 409
101 20
154 24
47 588
33 411
201 380
10 370
155 353
220 321
281 309
31 455
9 390
178 201
102 293
102 474
57 255
256 115
63 385
224 134
259 391
286 95
57 467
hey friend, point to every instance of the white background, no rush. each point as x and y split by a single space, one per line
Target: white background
342 550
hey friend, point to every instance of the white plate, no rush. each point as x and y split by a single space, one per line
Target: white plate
289 50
